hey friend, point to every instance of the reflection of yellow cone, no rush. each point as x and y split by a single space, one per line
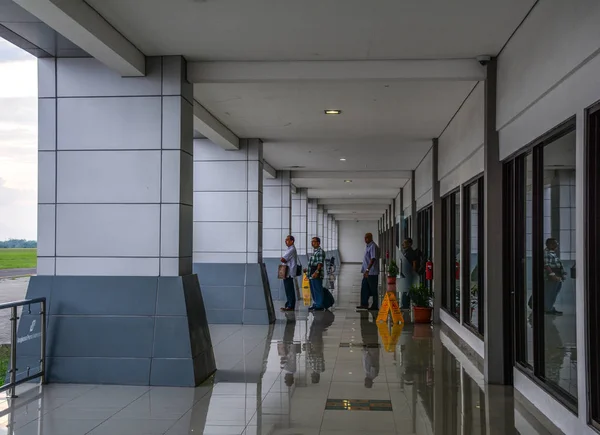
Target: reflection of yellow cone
389 341
306 290
390 303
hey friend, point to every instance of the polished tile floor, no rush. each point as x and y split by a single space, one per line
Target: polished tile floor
331 373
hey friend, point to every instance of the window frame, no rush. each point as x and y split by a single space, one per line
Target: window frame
448 252
517 269
466 255
592 274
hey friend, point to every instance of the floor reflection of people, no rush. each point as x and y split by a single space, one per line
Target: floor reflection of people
315 348
370 347
288 350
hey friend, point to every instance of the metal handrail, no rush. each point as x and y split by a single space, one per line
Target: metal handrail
14 318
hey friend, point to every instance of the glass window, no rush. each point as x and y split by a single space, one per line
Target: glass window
456 256
424 242
451 254
473 262
527 258
559 211
542 261
592 257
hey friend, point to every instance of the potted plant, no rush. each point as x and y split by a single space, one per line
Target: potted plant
421 296
392 272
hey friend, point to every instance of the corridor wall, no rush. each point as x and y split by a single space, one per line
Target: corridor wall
548 73
352 239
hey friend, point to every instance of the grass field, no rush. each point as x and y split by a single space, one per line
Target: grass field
18 258
4 361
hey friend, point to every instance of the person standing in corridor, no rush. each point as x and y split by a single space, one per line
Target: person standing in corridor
290 259
315 271
370 271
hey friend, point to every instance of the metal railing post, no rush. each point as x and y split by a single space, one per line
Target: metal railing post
13 352
43 340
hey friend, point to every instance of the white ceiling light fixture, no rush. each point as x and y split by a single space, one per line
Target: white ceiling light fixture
342 159
333 112
347 181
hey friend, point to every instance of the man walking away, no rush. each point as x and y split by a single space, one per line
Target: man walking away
554 276
410 268
370 271
315 271
290 259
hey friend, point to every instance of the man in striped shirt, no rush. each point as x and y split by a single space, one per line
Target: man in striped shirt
315 274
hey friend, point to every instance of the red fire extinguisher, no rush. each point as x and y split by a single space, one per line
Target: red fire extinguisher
387 254
457 277
429 270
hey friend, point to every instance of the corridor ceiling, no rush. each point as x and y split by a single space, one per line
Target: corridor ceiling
388 119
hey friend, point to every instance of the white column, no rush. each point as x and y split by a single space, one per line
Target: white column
320 226
313 227
115 227
115 170
228 225
330 232
228 202
277 224
277 214
325 236
300 220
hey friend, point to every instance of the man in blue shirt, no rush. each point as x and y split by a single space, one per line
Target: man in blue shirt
370 271
290 259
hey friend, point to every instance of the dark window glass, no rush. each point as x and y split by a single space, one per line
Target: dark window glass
541 261
451 254
559 215
473 261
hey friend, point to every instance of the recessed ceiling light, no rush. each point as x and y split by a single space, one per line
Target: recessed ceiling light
332 112
342 159
347 181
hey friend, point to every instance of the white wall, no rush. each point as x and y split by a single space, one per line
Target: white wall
423 182
549 72
352 239
461 145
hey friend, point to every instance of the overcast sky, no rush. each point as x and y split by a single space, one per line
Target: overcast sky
18 143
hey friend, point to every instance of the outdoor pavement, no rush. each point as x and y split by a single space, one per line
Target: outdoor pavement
11 289
16 272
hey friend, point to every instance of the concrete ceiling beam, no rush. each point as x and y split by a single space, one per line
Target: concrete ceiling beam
355 175
269 171
82 25
257 72
213 129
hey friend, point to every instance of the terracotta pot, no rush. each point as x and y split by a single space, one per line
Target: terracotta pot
421 315
422 330
391 280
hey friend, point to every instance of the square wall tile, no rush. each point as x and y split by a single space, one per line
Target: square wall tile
220 236
109 176
220 176
118 230
46 230
220 206
106 266
46 124
116 123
